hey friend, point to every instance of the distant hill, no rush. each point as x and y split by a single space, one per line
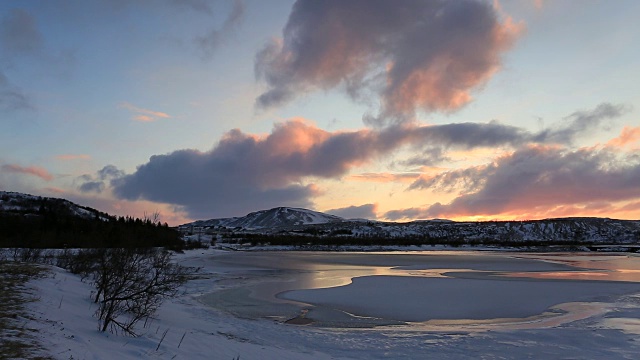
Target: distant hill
274 218
297 226
34 221
45 222
26 204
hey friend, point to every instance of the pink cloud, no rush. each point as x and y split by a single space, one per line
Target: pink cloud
539 4
144 115
29 170
414 55
247 172
629 137
444 81
534 181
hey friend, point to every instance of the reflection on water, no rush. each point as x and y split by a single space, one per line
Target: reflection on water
320 276
612 267
262 276
628 325
556 316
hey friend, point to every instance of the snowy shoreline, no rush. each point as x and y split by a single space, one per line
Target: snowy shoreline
67 328
415 248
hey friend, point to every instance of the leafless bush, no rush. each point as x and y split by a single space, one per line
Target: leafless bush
81 262
49 257
131 284
27 255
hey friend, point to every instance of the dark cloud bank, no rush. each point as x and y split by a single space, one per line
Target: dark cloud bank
366 211
245 172
12 97
533 179
408 55
19 36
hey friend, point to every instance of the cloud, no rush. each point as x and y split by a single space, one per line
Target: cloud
11 97
414 55
539 4
210 42
22 41
473 135
36 171
581 122
431 143
449 181
366 211
110 172
144 115
535 179
98 182
246 172
411 213
92 186
220 183
629 137
19 33
384 177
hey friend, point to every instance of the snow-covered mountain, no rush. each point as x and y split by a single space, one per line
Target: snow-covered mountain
302 222
558 230
25 204
274 218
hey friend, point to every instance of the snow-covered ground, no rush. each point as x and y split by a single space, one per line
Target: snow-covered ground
603 327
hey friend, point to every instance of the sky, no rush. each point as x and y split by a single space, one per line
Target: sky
389 110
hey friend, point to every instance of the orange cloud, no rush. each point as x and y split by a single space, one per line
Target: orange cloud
144 118
244 172
144 115
599 209
73 157
629 137
423 55
445 83
384 177
536 182
297 136
539 4
29 170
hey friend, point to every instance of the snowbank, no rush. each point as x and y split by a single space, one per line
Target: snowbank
194 330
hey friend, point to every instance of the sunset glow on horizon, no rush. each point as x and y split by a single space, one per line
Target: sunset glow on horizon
468 110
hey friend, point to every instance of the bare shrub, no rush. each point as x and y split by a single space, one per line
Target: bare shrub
131 284
81 262
29 255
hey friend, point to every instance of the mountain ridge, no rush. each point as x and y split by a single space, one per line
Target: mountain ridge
30 221
25 204
276 217
284 221
569 229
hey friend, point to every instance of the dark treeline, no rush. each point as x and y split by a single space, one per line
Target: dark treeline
53 225
336 241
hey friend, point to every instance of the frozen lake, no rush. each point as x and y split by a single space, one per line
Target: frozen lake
378 306
438 290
